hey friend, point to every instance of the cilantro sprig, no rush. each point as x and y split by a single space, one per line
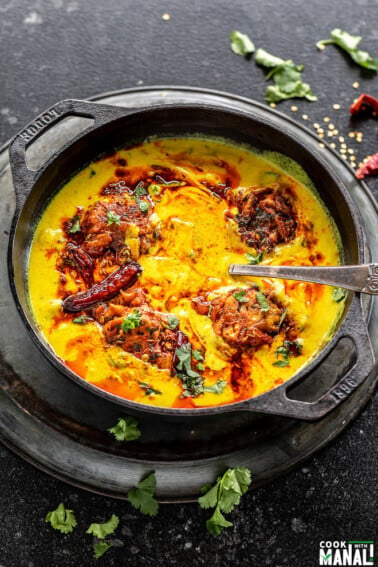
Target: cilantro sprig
224 496
132 321
349 43
254 259
263 302
73 225
126 429
173 321
100 547
148 389
287 77
113 218
192 382
142 497
216 388
62 519
240 296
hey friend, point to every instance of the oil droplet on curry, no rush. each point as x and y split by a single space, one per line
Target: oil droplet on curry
128 273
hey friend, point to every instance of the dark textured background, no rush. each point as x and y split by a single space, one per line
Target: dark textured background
54 49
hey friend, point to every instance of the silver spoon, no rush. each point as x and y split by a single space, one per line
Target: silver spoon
362 278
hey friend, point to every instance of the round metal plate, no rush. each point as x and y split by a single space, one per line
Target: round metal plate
62 428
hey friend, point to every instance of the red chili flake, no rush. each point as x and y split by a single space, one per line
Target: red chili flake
365 104
370 167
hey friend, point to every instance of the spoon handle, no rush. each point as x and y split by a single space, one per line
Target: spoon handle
362 278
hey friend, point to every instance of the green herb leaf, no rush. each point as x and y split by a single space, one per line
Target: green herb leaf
62 519
197 355
224 496
142 497
105 529
240 296
81 320
338 294
100 548
349 43
262 301
192 382
74 224
173 321
148 389
126 429
132 321
143 206
216 388
287 77
140 190
254 259
113 218
281 363
200 366
241 44
282 351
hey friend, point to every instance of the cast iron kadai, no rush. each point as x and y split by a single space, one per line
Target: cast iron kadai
116 127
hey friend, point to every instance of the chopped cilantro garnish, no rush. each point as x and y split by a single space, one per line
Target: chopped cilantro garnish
224 496
282 351
254 259
216 388
142 497
62 519
240 296
192 382
74 224
113 218
132 321
140 190
102 530
197 355
173 321
241 44
81 320
338 294
100 548
126 429
262 301
148 389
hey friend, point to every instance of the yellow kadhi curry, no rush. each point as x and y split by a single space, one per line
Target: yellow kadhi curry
128 272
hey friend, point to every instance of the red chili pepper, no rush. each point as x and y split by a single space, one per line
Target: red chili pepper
370 167
125 276
84 264
365 104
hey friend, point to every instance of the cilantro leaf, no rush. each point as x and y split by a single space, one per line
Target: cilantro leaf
192 382
102 530
349 43
62 519
287 77
338 294
81 320
113 218
74 224
126 429
197 355
140 190
241 44
254 259
148 389
282 351
173 321
216 388
142 497
100 548
240 296
264 305
132 321
224 496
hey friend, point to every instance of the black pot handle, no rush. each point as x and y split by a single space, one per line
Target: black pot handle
23 177
278 403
